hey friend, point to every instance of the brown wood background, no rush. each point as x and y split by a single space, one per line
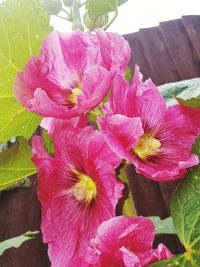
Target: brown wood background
167 53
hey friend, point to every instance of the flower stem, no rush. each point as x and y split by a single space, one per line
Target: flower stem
83 3
128 208
112 20
62 17
64 10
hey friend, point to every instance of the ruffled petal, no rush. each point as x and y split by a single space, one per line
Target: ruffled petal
68 224
99 151
121 133
139 100
67 62
129 258
51 124
124 241
177 133
115 50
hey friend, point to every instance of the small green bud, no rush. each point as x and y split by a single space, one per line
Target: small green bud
92 24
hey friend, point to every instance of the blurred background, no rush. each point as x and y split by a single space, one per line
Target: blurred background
138 14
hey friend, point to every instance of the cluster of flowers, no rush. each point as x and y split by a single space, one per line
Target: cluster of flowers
77 187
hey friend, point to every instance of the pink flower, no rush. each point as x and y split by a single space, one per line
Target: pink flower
124 241
77 190
73 73
139 128
51 124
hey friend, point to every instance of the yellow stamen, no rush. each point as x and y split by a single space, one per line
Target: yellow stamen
85 188
73 96
146 146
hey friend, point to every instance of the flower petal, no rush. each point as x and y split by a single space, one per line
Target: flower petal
121 133
124 241
115 50
177 133
69 223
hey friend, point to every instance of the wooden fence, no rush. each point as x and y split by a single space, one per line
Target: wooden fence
167 53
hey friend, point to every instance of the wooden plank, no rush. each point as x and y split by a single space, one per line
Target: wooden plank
147 195
180 49
157 54
192 27
167 189
138 55
20 212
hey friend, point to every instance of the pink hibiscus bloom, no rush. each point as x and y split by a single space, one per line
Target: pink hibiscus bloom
77 190
124 241
73 73
139 128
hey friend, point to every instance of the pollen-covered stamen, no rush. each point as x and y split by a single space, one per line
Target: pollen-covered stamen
73 96
85 188
147 146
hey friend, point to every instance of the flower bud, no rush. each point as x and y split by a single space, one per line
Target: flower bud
92 24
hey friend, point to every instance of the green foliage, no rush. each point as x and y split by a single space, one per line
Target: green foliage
53 7
17 241
183 89
163 226
67 2
16 121
77 21
25 182
92 24
128 74
193 102
97 8
185 210
15 164
48 142
121 2
23 26
128 208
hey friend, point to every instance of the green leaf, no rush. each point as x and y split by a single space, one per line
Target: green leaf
17 121
17 241
48 142
185 210
15 164
97 8
23 26
165 226
128 74
196 147
183 89
128 208
193 102
121 2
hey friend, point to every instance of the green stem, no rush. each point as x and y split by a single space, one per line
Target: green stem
64 10
129 205
111 21
62 17
77 22
83 3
